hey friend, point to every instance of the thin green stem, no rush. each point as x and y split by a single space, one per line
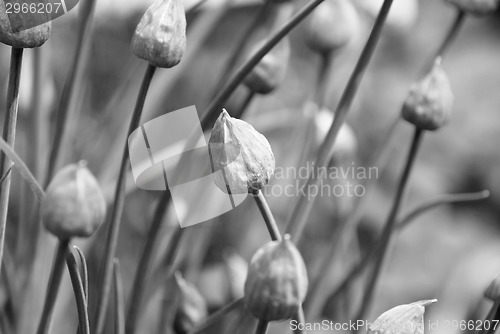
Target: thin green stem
268 216
85 272
262 327
53 286
119 314
117 209
79 291
388 230
142 272
72 87
232 83
21 167
9 134
216 316
303 208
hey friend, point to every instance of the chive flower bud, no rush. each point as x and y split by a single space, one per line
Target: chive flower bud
160 37
241 154
270 72
277 282
493 290
331 26
21 30
408 318
191 307
476 7
74 205
430 101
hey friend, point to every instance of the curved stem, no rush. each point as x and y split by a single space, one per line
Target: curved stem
116 212
72 87
53 286
226 91
268 216
84 274
262 327
79 291
387 233
303 208
9 134
138 285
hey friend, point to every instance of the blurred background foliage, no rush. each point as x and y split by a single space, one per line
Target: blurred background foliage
450 253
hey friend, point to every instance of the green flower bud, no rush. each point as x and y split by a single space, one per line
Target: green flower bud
241 154
430 101
270 72
331 26
277 282
493 290
160 37
191 308
13 30
74 205
408 318
476 7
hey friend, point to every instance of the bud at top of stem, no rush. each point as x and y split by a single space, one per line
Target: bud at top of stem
277 281
492 292
74 205
18 36
430 101
476 7
191 308
160 37
271 70
408 318
331 26
241 157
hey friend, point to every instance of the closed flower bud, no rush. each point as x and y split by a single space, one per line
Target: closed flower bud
402 319
277 282
191 308
74 205
271 70
160 37
493 290
241 154
476 7
331 26
18 30
430 101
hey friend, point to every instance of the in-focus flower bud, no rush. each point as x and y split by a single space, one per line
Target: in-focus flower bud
277 282
476 7
160 37
270 72
13 30
430 101
241 154
405 319
191 308
346 143
74 205
331 26
493 290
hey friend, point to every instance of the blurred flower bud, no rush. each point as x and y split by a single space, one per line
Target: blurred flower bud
271 70
430 101
331 26
236 270
277 282
476 7
160 37
346 143
243 156
191 308
404 319
74 205
493 290
13 30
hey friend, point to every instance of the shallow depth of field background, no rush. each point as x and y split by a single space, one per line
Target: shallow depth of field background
450 253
